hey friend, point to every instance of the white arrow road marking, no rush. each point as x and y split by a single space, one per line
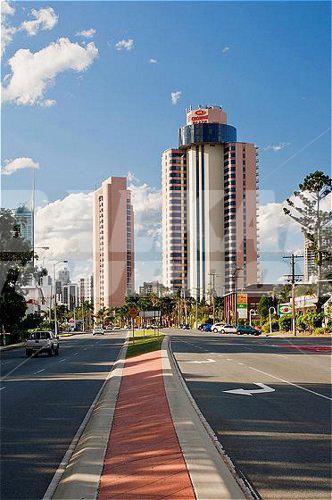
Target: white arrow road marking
202 362
250 392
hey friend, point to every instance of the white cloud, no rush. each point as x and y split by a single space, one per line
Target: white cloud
86 33
145 199
276 147
153 61
125 44
7 9
7 31
45 19
175 96
65 226
225 49
47 103
12 166
32 73
131 177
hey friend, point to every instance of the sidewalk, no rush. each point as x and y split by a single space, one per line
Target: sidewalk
143 458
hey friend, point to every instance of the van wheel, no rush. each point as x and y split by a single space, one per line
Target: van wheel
56 351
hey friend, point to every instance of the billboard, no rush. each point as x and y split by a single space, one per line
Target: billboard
206 115
284 309
242 305
198 116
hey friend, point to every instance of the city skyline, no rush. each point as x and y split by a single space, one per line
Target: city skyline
276 99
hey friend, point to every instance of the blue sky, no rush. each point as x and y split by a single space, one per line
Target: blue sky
266 63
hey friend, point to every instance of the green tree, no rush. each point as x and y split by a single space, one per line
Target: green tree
315 223
15 257
285 322
263 307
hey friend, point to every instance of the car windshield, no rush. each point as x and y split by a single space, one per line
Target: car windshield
39 335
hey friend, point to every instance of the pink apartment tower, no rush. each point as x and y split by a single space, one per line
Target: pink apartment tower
113 237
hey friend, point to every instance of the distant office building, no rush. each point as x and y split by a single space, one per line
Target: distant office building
210 246
113 238
86 290
46 280
152 287
64 276
24 219
70 295
58 290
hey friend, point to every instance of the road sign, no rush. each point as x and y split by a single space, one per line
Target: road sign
249 392
150 314
132 312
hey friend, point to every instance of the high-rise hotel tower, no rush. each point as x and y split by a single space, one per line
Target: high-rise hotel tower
209 216
113 236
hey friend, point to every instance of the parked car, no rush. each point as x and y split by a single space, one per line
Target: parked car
185 326
223 328
206 327
228 329
116 328
42 341
217 327
247 329
98 330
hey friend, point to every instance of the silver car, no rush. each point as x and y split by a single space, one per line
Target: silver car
42 341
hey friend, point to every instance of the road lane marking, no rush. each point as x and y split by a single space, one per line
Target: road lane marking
2 388
39 371
241 364
62 360
76 354
229 359
204 361
249 392
16 368
291 383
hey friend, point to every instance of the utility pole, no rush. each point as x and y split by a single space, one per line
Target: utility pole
293 278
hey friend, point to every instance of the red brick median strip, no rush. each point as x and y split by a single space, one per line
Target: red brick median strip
143 458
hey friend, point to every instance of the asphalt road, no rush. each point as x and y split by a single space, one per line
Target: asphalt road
43 402
278 438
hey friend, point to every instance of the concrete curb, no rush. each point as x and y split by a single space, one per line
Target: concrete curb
79 473
213 474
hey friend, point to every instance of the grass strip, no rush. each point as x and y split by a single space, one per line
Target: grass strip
144 342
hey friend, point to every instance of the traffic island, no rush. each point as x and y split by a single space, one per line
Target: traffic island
144 458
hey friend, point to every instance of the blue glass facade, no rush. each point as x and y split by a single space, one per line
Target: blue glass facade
200 133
